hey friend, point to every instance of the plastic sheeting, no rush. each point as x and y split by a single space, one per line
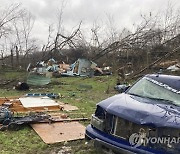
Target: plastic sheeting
38 80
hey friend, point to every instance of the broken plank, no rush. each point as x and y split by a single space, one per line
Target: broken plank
59 119
35 109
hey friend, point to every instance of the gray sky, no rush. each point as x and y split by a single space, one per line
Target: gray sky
124 12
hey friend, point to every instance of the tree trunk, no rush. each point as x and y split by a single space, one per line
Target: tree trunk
17 57
12 59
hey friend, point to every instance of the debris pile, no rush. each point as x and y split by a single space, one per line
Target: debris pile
40 111
41 74
50 95
174 68
22 86
169 65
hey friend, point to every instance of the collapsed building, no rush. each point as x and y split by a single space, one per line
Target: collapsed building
42 73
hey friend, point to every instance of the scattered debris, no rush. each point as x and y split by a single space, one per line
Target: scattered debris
50 95
98 71
63 67
41 74
22 86
58 114
5 114
58 125
156 62
82 67
9 121
65 150
14 123
30 104
174 68
35 104
165 64
62 119
107 70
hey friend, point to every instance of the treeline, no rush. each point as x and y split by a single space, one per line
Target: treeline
151 39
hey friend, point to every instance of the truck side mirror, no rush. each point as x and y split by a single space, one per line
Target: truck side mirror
121 88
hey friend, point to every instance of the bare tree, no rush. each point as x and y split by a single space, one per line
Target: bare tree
16 26
58 39
9 14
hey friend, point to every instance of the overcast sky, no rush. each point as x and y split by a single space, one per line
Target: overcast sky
124 12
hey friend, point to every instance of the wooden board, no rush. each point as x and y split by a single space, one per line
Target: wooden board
59 131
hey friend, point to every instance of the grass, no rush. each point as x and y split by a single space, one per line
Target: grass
81 92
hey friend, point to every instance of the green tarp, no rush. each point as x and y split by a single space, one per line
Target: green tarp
38 80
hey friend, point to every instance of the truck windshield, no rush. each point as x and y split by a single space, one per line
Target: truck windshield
146 88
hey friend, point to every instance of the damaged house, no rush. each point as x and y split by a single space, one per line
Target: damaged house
81 67
42 73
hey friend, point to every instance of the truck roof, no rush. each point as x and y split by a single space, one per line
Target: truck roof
170 80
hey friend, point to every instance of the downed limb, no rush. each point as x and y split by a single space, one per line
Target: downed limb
157 61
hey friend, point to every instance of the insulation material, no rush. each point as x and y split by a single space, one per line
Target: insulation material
29 102
59 131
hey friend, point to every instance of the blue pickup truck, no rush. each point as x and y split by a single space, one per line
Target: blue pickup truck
143 119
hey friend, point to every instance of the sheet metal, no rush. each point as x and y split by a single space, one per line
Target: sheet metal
59 131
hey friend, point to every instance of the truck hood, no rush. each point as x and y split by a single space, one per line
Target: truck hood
142 111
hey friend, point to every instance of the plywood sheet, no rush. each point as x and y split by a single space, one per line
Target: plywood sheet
29 102
59 131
